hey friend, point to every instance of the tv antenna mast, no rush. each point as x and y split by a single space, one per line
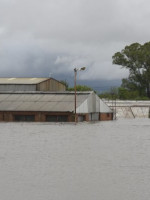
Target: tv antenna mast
50 75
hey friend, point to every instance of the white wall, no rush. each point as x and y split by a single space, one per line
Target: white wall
90 105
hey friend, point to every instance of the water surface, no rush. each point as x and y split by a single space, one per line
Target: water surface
88 161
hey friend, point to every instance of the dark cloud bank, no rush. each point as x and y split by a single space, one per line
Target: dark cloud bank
39 38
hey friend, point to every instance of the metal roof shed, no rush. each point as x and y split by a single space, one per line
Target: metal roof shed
31 84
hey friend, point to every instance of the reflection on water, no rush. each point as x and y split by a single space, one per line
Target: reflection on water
99 161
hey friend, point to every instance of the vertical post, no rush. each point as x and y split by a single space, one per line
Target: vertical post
75 90
115 109
75 95
113 106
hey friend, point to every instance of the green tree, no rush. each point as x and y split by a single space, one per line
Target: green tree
112 94
125 94
135 58
105 95
81 88
78 87
65 83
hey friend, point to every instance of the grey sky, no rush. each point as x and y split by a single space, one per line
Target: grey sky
38 37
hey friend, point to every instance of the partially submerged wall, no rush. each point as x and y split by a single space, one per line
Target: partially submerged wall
106 116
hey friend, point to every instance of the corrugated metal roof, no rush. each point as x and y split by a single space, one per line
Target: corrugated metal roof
47 101
46 92
62 102
22 80
104 108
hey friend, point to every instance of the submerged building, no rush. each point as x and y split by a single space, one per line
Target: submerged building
40 106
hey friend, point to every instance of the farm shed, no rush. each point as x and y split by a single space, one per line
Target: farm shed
31 84
52 106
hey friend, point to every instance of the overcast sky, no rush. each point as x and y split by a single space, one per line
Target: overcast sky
39 37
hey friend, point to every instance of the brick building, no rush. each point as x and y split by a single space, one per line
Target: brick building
52 106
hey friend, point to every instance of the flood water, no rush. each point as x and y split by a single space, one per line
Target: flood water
88 161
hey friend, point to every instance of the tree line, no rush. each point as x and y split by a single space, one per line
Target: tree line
78 87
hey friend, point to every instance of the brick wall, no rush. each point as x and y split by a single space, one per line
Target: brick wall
41 116
38 116
105 116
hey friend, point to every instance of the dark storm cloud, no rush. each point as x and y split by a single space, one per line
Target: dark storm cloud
38 37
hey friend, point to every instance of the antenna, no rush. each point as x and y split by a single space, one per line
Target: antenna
50 75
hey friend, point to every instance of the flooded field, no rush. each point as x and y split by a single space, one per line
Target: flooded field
88 161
